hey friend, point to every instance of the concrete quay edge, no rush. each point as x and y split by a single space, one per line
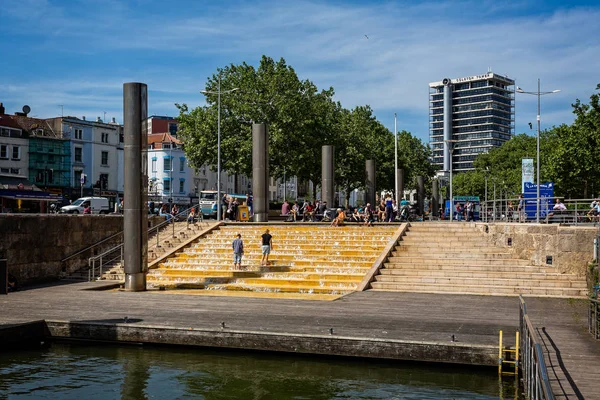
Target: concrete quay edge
332 345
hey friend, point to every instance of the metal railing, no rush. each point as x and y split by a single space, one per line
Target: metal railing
594 318
114 255
533 366
90 247
506 210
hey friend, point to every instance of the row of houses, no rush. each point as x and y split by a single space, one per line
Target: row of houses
57 160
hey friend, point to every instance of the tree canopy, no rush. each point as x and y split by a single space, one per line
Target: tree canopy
569 157
301 119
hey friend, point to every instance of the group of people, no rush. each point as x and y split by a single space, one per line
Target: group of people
465 212
388 211
266 245
230 205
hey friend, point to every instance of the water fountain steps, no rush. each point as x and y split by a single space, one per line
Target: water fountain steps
457 258
306 260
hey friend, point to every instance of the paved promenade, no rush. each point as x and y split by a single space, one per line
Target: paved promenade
402 316
573 356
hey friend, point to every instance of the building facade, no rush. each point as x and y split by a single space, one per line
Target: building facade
97 153
14 148
160 124
469 116
171 179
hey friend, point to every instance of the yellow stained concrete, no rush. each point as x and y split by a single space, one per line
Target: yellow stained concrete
309 261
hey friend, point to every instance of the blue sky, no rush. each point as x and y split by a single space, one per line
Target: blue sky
79 53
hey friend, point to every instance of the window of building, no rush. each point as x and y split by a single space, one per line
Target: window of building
181 186
3 151
167 164
167 185
78 154
105 158
16 153
166 145
15 171
153 165
173 129
104 137
50 158
4 170
181 164
78 133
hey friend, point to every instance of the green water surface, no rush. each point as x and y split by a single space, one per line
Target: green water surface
92 371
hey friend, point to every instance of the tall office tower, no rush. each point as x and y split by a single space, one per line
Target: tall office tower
469 116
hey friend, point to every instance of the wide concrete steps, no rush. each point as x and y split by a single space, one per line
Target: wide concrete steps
544 281
438 258
489 290
404 248
244 274
479 272
442 244
253 288
305 260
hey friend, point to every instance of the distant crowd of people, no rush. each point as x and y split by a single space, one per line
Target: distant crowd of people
318 211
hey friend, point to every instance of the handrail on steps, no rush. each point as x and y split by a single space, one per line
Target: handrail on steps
170 220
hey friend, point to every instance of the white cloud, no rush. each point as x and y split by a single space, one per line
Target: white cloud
409 46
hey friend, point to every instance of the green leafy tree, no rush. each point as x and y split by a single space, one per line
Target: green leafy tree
414 157
299 117
575 157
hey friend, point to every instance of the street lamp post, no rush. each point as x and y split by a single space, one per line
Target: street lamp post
396 162
450 143
538 94
218 93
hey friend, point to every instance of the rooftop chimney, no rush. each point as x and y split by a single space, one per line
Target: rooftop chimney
98 119
83 118
2 110
114 120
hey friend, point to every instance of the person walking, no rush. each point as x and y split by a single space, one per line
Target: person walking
266 246
238 251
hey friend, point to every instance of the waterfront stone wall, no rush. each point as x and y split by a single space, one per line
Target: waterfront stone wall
34 245
571 247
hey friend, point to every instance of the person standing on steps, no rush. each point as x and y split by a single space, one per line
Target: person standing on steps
238 251
267 246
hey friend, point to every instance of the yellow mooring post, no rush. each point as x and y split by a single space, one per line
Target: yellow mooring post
517 355
500 353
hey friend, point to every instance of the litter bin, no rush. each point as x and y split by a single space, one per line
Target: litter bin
3 277
243 213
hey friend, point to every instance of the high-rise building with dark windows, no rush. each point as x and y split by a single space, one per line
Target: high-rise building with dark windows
469 116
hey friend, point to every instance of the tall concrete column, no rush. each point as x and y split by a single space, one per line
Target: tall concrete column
401 183
435 199
260 172
135 204
421 194
328 175
370 184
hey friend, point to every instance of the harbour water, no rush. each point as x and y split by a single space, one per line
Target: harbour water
97 371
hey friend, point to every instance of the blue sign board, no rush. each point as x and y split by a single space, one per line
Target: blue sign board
546 195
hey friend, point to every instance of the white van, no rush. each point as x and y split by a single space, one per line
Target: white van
99 205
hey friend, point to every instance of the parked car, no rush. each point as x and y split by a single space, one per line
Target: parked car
99 205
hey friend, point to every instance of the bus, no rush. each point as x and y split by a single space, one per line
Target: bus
209 202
